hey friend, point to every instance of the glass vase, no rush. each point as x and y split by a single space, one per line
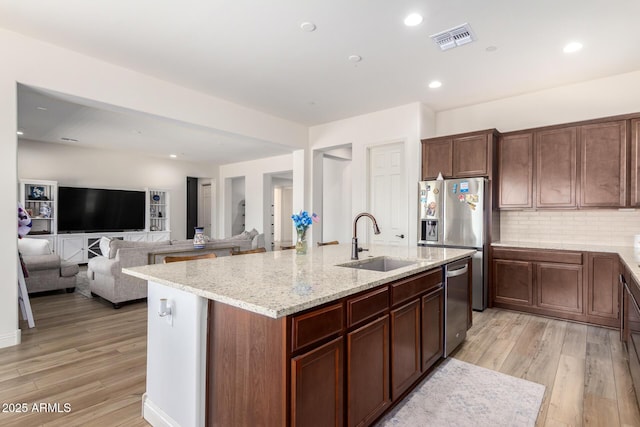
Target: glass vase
301 242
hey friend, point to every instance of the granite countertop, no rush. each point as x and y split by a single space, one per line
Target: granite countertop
280 283
629 255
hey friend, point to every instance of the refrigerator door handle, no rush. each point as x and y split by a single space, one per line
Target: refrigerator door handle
458 271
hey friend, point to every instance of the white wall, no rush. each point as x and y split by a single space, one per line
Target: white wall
401 124
40 64
257 211
336 214
86 167
237 205
592 99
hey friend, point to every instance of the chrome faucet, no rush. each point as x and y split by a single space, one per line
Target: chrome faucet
354 241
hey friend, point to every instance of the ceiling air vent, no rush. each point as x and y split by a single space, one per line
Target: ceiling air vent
462 34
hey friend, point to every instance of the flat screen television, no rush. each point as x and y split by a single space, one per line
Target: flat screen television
87 210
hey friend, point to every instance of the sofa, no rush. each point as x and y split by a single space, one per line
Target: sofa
107 280
46 271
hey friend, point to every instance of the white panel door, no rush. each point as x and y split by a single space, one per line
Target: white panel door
388 201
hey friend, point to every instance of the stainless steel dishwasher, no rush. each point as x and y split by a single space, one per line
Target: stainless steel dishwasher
456 304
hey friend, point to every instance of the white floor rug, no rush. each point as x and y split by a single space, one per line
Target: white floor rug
460 394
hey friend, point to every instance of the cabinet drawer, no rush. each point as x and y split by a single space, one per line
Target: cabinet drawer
366 306
406 289
564 257
312 327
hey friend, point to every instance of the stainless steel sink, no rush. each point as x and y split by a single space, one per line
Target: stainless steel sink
381 263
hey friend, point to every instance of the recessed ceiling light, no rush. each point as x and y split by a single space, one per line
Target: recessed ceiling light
435 84
572 47
355 58
308 27
173 156
413 20
491 49
20 133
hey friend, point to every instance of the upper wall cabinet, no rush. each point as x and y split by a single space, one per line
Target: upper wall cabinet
515 171
555 157
635 162
603 164
459 156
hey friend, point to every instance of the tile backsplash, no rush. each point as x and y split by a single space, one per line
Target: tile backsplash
604 227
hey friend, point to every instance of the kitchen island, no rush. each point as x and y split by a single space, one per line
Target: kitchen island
283 339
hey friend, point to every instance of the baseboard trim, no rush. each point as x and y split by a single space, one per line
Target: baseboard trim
11 339
156 416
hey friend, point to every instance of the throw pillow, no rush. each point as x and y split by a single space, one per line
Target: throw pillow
28 246
105 246
253 233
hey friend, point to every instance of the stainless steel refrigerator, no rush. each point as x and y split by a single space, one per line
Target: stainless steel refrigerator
453 213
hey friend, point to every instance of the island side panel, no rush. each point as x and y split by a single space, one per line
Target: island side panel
247 378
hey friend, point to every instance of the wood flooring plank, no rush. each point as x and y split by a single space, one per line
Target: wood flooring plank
575 342
566 405
599 377
625 394
600 411
519 359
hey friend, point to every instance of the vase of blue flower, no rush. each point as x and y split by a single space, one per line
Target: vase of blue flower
302 221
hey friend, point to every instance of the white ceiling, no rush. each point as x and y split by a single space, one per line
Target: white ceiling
254 53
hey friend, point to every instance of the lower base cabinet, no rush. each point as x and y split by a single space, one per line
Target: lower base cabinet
318 373
432 328
368 372
405 347
580 286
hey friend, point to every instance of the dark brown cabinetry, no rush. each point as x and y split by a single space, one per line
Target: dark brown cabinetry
566 284
344 363
634 186
368 372
555 156
631 334
603 289
603 164
405 347
318 373
432 328
515 171
459 156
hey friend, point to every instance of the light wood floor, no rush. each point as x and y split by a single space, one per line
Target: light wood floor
584 368
85 353
82 352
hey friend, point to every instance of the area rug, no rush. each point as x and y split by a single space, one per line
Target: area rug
460 394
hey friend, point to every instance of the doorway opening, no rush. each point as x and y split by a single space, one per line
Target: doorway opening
279 230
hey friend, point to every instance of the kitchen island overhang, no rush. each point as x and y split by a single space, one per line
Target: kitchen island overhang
245 304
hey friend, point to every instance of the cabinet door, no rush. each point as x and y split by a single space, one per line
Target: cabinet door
603 164
603 287
432 328
635 162
556 168
559 287
405 347
513 282
317 386
515 171
437 157
471 156
72 249
368 372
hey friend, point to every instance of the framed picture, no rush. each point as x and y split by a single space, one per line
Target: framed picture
37 193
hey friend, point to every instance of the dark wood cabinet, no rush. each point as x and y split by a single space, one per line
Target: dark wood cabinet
634 185
432 328
513 282
559 287
581 286
603 164
405 347
317 386
471 156
555 157
603 297
368 372
437 157
459 156
515 171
